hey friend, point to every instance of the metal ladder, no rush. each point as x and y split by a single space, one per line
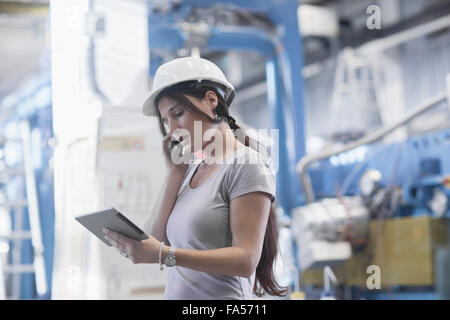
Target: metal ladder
353 74
11 271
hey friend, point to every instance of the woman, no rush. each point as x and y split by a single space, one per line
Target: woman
215 225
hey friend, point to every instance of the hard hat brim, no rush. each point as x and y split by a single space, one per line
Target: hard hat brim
149 108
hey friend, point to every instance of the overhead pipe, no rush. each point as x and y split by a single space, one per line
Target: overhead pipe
223 38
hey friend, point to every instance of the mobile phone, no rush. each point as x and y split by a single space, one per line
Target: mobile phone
174 143
177 146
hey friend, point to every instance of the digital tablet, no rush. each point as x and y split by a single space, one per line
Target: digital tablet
112 220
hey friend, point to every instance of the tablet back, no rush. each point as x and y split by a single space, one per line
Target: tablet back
113 220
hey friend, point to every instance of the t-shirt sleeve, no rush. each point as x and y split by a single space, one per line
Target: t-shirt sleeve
251 177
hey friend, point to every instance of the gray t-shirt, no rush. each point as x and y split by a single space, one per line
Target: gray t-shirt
200 220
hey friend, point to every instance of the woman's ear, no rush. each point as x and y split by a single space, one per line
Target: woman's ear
211 99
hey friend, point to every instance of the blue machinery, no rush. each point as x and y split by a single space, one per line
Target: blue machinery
419 165
404 190
416 176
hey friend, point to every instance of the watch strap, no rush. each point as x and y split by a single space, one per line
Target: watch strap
160 255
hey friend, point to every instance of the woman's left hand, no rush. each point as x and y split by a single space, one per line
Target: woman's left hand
144 251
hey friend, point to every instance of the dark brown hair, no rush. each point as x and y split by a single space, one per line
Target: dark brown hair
265 277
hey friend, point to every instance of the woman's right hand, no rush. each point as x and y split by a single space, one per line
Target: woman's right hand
177 155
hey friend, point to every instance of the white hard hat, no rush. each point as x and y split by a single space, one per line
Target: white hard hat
186 69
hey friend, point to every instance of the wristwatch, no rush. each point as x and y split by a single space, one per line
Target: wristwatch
170 258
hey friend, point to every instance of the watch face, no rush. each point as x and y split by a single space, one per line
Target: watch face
170 261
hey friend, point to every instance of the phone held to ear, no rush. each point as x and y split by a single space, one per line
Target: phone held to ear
174 143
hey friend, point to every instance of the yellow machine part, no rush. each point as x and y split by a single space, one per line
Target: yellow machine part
403 249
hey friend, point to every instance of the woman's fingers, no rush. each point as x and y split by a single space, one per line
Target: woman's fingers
115 236
111 241
167 137
122 248
120 240
117 245
177 154
166 145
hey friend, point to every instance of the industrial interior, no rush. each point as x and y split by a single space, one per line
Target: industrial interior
357 90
